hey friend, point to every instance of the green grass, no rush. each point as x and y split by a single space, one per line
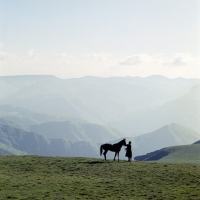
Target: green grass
183 154
34 177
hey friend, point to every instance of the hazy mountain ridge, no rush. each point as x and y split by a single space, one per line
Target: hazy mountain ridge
184 110
76 131
11 84
55 127
98 100
20 117
8 150
33 143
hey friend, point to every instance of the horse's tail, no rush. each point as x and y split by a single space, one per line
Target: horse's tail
101 149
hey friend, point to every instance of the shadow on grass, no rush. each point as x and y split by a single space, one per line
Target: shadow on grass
96 162
101 162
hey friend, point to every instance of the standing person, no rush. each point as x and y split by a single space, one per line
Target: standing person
129 151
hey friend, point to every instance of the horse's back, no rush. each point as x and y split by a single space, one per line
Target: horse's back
111 147
106 145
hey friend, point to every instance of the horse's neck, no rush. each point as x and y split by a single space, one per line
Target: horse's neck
119 144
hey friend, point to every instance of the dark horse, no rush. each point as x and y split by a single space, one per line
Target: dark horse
115 148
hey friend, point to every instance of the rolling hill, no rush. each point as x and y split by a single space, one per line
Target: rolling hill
184 154
18 141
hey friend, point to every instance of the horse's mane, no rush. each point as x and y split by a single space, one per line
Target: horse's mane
120 142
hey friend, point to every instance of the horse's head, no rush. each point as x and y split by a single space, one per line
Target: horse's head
124 142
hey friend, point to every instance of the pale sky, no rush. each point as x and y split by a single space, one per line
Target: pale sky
76 38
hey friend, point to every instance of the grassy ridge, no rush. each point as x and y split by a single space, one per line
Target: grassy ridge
34 177
184 154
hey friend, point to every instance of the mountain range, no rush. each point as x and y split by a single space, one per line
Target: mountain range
76 131
17 141
153 112
184 110
98 100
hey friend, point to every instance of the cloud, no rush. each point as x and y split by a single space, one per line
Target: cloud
181 59
176 62
131 60
64 65
136 59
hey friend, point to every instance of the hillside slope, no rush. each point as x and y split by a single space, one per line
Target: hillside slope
33 143
184 154
169 135
8 150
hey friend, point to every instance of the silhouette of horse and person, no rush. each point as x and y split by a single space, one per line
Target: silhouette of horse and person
117 148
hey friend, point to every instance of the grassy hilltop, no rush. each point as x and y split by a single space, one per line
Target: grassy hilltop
182 154
35 177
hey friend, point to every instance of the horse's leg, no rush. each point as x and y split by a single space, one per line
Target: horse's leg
118 155
115 155
104 153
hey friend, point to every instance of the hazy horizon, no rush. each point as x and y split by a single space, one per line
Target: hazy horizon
153 75
72 39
